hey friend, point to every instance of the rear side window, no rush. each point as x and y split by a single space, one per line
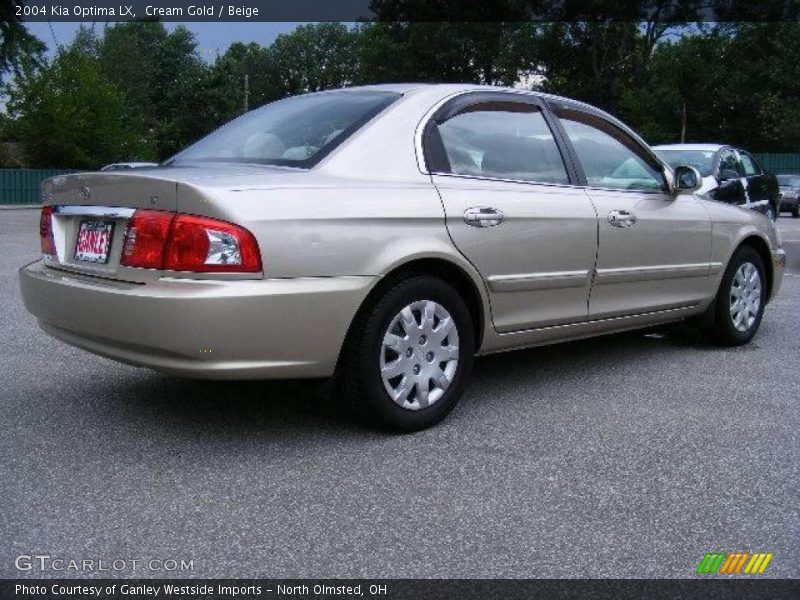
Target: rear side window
503 140
610 158
297 131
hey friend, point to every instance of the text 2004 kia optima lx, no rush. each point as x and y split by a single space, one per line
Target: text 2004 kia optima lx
388 234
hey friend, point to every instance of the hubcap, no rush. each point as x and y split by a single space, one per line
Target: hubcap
745 297
419 354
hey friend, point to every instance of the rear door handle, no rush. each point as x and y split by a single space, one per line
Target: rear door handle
621 218
483 216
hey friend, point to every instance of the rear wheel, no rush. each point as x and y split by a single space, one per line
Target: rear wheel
409 354
796 211
739 304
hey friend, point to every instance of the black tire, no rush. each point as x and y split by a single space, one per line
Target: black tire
723 329
359 367
795 211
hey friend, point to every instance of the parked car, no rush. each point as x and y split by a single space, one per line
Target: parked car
121 166
386 235
790 193
730 175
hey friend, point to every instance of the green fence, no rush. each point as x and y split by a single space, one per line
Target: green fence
780 163
22 186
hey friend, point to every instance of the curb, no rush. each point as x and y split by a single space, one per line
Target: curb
19 206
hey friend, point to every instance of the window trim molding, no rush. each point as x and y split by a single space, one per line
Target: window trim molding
645 150
463 99
545 103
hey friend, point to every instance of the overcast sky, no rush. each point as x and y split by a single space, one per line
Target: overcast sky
212 38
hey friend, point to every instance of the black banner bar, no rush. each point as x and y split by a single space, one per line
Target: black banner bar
404 10
401 589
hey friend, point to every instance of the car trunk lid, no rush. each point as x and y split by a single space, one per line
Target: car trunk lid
97 204
90 215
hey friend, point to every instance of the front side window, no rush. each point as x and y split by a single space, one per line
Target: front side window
729 165
297 131
749 164
609 157
502 140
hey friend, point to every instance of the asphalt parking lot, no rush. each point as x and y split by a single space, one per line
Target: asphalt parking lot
624 456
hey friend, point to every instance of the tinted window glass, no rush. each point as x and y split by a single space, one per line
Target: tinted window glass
749 164
729 162
503 140
789 180
609 157
296 131
702 160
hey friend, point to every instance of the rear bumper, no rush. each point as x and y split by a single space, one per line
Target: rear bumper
235 329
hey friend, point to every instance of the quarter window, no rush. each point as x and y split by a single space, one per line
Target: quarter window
502 140
609 157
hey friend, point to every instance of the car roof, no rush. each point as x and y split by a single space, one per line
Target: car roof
422 98
446 89
702 147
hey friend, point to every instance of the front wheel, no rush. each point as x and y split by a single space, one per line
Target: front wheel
409 354
739 304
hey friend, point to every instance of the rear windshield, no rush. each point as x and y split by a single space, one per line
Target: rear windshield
789 180
297 131
702 160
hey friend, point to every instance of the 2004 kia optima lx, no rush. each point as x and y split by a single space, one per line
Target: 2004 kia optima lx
388 234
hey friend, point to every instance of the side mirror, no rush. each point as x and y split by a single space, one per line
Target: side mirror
728 174
687 179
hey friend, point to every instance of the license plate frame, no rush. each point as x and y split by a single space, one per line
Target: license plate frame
94 251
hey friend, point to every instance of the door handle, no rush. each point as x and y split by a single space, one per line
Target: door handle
621 218
482 216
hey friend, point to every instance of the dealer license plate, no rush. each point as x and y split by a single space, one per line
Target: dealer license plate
94 240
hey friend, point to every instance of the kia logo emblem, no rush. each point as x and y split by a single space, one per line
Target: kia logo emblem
85 193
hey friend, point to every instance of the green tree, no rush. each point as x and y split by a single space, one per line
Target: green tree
736 84
17 45
678 100
162 78
68 114
760 87
225 88
493 53
314 57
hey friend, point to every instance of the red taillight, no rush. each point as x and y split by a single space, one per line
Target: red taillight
146 239
207 245
46 231
162 240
